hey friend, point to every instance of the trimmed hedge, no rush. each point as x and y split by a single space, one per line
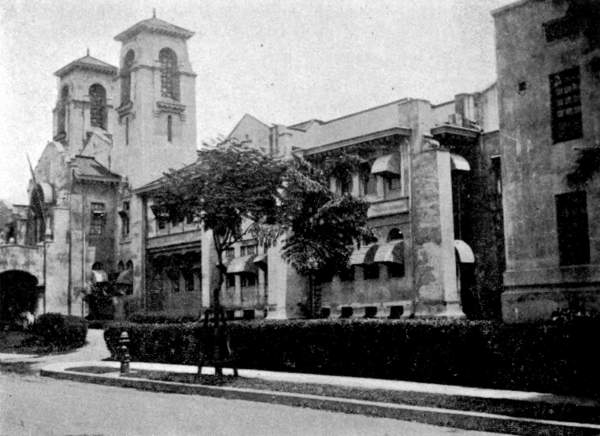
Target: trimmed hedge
549 357
61 331
159 318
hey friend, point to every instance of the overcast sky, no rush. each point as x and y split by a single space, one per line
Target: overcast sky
282 61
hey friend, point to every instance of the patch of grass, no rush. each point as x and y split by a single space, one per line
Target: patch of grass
23 368
538 409
93 369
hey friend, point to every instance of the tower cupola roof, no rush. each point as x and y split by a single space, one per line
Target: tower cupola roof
154 25
87 63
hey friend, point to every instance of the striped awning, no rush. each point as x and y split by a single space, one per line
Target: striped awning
98 276
459 163
364 255
240 265
125 278
388 164
261 260
464 252
391 252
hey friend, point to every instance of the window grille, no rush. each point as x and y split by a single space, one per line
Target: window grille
97 106
98 219
572 228
169 80
566 105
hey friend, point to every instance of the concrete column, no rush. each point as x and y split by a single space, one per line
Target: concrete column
435 268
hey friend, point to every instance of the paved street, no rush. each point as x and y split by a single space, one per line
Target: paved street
31 405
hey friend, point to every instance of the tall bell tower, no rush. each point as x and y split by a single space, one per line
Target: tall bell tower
157 102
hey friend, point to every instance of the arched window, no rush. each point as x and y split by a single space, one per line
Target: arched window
97 266
126 77
169 128
129 265
120 266
169 79
62 110
97 106
395 235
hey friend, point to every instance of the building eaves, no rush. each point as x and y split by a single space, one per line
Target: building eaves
506 8
154 25
88 63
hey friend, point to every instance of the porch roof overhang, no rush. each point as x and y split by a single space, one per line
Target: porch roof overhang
364 255
464 252
401 131
390 252
241 265
261 260
452 131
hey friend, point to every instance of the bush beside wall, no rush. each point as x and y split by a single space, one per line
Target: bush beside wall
547 357
61 331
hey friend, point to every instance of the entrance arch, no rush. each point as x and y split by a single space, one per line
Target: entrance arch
18 293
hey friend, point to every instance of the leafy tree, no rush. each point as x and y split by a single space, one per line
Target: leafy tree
231 190
321 225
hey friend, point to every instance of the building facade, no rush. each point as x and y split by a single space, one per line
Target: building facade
549 106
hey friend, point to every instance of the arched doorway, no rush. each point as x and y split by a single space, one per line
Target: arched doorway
18 293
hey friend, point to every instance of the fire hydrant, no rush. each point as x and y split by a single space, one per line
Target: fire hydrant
124 352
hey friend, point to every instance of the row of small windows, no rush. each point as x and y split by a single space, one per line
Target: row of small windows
169 75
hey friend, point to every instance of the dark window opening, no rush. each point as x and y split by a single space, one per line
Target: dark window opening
248 280
120 266
566 105
249 314
396 312
395 235
394 182
497 174
173 276
188 278
229 254
347 274
572 228
325 312
561 28
345 185
98 219
169 80
97 106
62 111
124 214
231 280
368 183
97 266
126 131
346 312
370 311
371 271
395 270
169 128
247 250
126 77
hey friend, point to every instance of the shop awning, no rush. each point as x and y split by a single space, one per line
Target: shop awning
244 264
464 252
388 164
364 255
459 163
391 252
98 276
125 278
261 260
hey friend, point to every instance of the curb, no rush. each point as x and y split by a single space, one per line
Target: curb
466 420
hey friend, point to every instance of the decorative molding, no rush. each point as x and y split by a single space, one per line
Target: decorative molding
125 109
170 108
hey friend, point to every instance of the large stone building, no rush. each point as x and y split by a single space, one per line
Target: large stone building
549 106
437 177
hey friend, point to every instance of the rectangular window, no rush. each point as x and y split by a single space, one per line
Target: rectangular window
98 219
572 228
393 183
369 184
247 250
395 270
347 274
566 105
173 276
188 278
345 185
248 280
496 164
229 254
371 272
126 131
561 28
231 280
124 214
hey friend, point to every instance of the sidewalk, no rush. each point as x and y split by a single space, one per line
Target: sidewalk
530 412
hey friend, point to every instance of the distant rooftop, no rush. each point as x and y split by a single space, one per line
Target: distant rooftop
87 63
86 167
154 25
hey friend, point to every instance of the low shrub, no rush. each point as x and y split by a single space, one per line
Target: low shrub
159 318
61 331
551 357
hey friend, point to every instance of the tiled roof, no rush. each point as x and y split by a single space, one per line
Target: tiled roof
87 63
154 25
87 167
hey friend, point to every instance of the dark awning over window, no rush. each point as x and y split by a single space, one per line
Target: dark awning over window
261 260
240 265
391 252
388 164
364 255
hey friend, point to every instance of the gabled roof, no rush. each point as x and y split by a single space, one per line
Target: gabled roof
154 25
88 168
87 63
